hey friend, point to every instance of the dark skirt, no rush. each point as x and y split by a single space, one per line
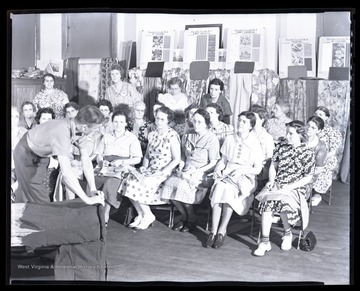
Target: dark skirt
31 173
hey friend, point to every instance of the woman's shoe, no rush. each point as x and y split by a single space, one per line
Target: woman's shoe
189 226
146 222
178 226
136 221
219 240
210 240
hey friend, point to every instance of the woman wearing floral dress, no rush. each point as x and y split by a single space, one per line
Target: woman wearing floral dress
217 127
200 152
162 156
292 167
333 139
121 91
51 97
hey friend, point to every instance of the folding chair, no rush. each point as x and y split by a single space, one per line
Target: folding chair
298 227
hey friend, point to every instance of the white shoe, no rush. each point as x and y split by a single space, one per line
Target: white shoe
262 248
146 222
315 200
287 242
136 221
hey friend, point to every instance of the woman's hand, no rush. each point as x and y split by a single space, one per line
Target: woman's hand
217 175
97 199
156 174
142 169
117 163
269 185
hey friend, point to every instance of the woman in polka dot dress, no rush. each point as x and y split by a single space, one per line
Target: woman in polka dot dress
162 155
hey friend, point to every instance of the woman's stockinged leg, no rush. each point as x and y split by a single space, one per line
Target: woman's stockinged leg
182 210
225 218
191 216
215 217
266 222
107 211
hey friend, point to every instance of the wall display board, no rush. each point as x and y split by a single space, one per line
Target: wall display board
333 52
156 46
246 45
297 52
201 44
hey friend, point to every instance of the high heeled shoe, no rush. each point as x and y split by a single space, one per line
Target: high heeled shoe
136 221
210 240
178 226
189 226
146 222
219 240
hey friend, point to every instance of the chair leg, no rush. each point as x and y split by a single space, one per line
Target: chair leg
208 219
172 216
129 215
259 236
330 195
300 236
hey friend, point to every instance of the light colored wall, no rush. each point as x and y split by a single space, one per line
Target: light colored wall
50 36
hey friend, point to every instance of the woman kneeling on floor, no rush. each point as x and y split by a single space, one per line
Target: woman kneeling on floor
292 167
234 174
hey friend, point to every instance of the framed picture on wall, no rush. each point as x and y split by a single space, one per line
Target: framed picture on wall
201 43
196 26
245 45
156 46
297 52
334 51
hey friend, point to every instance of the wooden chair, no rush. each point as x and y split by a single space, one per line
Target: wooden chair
164 207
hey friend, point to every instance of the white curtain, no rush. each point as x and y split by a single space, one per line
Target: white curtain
240 93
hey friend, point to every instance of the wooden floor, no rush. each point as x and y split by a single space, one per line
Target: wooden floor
159 255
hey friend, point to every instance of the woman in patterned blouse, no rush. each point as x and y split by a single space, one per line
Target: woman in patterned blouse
217 127
120 91
292 167
51 97
333 139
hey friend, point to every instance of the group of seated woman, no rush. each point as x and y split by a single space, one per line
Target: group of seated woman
190 151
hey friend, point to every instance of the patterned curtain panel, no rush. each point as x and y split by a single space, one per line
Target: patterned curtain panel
335 95
265 88
194 89
136 77
294 91
105 79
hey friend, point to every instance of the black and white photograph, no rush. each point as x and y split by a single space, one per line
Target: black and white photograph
180 147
